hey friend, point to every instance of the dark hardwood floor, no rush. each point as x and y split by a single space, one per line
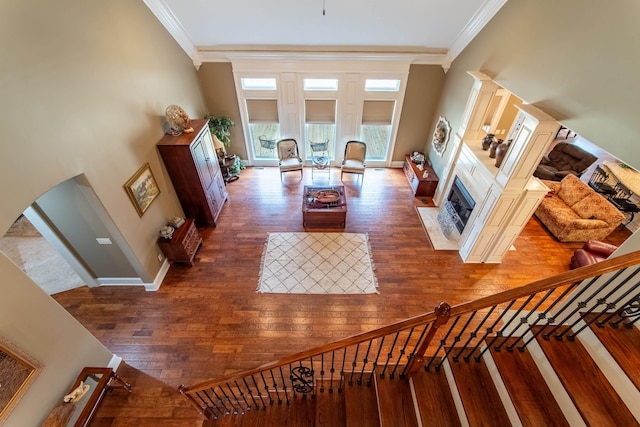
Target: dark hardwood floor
208 320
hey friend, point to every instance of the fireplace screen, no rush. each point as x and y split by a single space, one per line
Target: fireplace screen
462 203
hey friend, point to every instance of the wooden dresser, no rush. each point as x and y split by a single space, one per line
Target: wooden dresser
183 244
193 166
423 186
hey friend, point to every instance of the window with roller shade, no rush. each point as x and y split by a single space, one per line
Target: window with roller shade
377 117
320 127
264 126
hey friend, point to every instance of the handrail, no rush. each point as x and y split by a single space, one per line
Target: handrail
207 397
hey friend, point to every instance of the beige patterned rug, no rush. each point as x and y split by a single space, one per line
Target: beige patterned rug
317 263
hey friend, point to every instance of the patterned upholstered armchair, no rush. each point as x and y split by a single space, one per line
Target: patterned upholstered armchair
289 157
354 158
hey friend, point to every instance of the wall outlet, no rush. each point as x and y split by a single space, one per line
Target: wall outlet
160 257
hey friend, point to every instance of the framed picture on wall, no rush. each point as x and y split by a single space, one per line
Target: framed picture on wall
142 189
17 371
441 136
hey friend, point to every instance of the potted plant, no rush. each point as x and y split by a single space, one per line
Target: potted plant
220 127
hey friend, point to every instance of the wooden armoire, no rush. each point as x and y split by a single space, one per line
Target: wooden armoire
192 164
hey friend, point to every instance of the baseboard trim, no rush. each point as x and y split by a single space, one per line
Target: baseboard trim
115 362
120 281
157 282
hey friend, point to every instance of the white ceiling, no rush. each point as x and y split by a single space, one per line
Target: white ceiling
437 28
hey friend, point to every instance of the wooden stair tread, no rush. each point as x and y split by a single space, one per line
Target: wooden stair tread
330 407
530 394
435 402
361 405
395 402
594 397
623 344
480 398
299 413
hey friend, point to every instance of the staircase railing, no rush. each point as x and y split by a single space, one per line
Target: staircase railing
516 316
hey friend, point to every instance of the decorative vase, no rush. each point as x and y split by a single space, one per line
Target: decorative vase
493 147
501 151
487 140
167 232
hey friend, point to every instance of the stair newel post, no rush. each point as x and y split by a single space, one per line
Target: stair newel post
443 313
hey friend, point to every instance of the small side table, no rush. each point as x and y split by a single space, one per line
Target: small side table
100 381
225 164
320 164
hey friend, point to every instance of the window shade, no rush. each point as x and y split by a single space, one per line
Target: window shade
320 111
262 110
377 112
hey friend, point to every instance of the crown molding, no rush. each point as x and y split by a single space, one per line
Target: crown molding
174 27
474 26
206 55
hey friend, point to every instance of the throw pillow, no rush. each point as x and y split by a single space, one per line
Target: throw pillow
573 190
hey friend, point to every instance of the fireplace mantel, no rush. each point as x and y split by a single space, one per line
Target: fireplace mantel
506 197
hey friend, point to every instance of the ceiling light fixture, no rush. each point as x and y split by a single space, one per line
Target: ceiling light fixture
323 8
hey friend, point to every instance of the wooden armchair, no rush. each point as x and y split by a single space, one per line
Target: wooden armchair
355 153
289 156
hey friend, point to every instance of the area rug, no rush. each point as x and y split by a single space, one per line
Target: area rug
440 242
317 263
41 262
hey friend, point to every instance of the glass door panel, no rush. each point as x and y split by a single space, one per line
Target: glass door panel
377 140
264 137
321 139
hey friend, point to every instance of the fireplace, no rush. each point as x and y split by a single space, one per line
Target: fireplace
462 203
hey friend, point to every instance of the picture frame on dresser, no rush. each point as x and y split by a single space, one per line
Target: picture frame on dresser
18 370
142 189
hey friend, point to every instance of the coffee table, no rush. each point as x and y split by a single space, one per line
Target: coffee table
318 211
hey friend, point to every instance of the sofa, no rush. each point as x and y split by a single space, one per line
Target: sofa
564 159
591 252
573 212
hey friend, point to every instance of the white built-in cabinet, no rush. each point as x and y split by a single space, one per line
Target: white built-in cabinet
506 197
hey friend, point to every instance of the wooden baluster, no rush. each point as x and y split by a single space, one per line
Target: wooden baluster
443 311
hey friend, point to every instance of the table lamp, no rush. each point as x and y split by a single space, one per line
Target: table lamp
219 146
